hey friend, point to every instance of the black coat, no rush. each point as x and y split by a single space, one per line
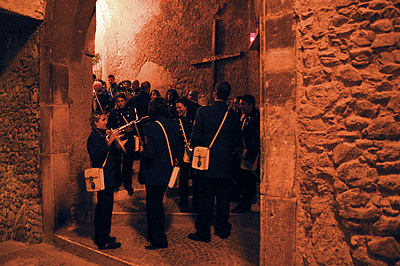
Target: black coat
116 120
98 149
141 103
251 135
206 124
155 162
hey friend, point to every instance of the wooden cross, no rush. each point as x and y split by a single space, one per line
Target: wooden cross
214 58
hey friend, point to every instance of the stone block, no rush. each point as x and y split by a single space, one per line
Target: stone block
278 224
278 7
54 128
356 174
279 87
280 32
279 165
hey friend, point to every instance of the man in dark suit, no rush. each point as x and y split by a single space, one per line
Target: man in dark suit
215 182
140 102
117 118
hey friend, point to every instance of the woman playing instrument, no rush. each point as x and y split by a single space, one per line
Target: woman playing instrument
103 149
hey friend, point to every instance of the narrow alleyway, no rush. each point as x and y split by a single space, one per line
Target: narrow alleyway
129 226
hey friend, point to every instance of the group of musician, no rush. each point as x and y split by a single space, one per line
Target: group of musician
129 123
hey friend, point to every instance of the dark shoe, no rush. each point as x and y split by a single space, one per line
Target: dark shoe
239 209
153 247
223 236
110 245
130 191
197 237
108 240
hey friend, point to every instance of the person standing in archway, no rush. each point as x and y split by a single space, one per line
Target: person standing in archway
162 141
103 149
117 118
248 175
215 182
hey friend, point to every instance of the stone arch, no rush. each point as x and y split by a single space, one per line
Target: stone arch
65 70
64 73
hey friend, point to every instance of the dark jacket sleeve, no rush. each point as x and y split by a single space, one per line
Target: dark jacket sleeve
198 129
97 149
149 148
251 137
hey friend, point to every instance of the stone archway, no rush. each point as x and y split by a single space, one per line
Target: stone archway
66 72
65 75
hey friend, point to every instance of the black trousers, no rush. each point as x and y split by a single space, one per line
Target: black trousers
103 215
155 214
188 173
211 189
184 183
248 183
127 164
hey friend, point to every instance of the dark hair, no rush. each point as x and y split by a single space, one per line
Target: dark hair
120 95
145 86
94 117
249 99
158 107
111 76
175 95
136 82
156 92
223 90
188 104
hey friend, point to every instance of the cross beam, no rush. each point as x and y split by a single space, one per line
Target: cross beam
215 58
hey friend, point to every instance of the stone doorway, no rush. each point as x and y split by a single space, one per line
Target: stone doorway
65 72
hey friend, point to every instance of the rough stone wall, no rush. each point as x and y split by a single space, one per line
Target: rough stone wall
348 132
156 41
20 197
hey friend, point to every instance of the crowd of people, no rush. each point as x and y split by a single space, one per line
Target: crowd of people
132 122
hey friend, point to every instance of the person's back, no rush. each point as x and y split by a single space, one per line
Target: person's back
215 182
207 121
141 101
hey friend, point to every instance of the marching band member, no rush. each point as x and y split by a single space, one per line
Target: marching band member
102 149
118 117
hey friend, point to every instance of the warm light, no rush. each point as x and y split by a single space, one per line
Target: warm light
252 36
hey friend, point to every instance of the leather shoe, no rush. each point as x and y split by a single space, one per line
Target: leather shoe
153 247
222 236
197 237
110 245
108 240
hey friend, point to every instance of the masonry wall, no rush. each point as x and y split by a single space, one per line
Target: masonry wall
20 182
158 40
348 131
